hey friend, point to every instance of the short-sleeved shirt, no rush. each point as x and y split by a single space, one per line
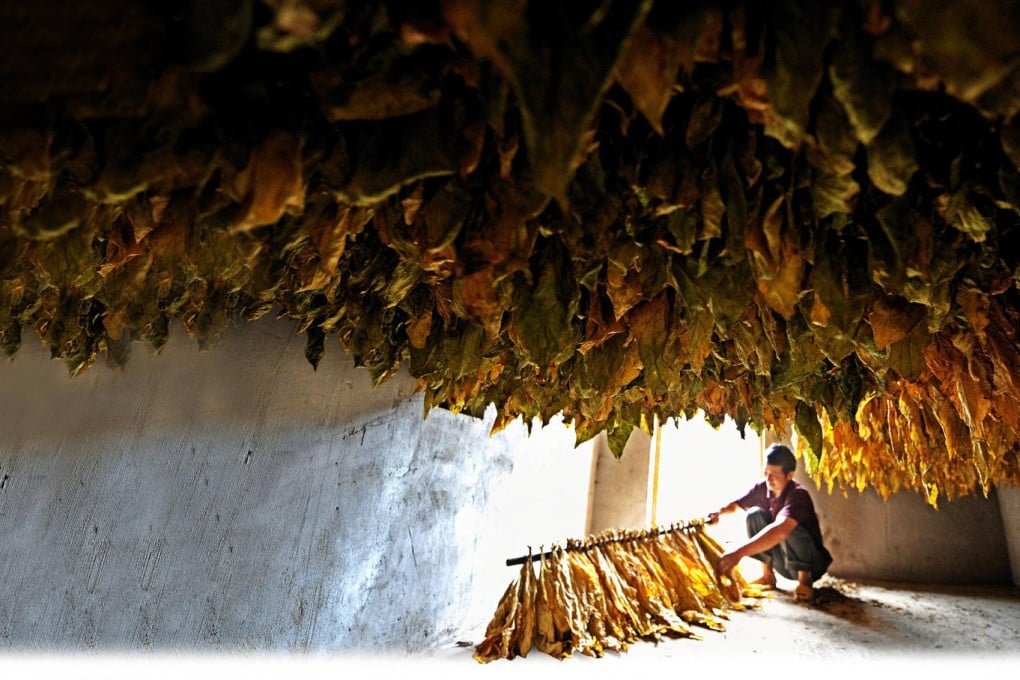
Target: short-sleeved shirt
794 502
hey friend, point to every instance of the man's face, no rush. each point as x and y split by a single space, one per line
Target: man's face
776 479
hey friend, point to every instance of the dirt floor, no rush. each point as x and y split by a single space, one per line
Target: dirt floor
848 629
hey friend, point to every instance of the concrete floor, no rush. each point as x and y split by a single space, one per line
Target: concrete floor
847 629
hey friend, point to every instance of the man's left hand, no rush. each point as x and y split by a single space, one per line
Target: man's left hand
727 562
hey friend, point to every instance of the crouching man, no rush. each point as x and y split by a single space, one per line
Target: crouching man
782 527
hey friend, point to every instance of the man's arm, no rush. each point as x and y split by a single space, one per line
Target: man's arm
713 517
768 537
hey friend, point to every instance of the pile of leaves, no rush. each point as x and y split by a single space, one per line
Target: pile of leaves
795 214
610 590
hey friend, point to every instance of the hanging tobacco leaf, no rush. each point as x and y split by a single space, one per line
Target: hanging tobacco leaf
791 215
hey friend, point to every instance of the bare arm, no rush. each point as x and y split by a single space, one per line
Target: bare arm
713 517
768 537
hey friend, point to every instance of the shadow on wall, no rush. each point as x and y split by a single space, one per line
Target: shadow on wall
904 539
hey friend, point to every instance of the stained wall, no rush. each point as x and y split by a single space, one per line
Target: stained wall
233 498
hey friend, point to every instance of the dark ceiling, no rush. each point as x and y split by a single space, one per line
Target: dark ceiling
798 214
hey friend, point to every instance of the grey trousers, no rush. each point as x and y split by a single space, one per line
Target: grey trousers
797 553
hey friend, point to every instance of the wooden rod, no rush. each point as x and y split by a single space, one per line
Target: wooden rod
602 540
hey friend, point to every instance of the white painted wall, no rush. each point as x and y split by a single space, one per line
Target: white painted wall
235 499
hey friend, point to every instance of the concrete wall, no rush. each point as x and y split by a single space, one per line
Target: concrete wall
621 496
904 539
1009 507
235 499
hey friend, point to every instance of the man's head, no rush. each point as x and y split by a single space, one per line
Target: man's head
780 465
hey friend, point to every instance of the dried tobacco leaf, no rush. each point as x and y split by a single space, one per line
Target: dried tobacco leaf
790 215
535 50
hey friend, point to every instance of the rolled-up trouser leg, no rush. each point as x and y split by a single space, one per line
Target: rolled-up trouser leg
801 554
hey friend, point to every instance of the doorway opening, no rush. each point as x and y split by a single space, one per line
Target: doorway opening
701 468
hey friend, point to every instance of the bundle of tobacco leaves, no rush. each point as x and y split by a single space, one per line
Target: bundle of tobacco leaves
790 213
612 589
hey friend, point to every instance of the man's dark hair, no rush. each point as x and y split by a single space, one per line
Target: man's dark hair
780 454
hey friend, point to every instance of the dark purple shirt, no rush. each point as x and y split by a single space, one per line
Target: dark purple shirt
794 502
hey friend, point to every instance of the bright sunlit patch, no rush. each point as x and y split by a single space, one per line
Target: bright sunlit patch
702 468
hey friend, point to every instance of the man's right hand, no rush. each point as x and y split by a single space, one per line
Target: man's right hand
712 518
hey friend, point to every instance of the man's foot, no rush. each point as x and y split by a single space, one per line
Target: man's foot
764 582
803 593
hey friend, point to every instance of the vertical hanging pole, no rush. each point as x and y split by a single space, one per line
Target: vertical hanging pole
655 471
761 450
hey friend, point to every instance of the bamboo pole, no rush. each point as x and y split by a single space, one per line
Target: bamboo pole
655 471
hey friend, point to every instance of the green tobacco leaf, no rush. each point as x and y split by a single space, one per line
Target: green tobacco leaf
542 319
850 382
683 225
892 157
618 436
650 328
965 216
899 245
832 160
400 282
906 356
383 156
810 430
841 279
801 358
802 32
560 61
863 86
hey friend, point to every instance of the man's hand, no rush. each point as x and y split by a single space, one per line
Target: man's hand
712 518
727 562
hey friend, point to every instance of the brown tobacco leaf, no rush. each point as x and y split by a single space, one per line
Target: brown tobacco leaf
272 183
553 634
801 215
648 72
893 319
499 631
